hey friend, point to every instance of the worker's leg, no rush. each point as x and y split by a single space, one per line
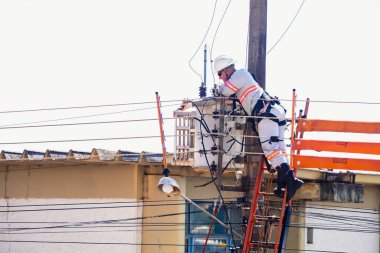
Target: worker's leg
270 143
273 145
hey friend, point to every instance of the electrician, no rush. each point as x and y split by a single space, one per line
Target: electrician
270 119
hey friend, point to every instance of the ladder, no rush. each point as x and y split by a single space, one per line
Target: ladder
263 216
266 241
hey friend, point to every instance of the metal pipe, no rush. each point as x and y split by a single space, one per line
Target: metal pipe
210 215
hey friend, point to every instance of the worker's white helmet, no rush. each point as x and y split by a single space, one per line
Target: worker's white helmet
222 62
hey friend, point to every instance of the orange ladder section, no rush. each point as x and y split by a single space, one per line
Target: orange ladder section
266 240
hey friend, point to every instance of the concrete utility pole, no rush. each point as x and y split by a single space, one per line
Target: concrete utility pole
256 66
257 40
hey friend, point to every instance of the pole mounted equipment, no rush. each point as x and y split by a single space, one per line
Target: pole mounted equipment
203 87
165 170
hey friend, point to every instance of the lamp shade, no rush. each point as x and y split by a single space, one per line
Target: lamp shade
168 186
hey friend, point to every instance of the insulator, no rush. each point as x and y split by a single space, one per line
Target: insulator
202 91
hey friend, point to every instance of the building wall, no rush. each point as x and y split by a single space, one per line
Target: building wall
93 207
163 233
345 227
101 207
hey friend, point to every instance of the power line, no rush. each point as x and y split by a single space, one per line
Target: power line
84 107
216 32
138 244
94 243
88 223
286 30
303 100
200 44
82 123
115 202
87 208
96 231
319 251
81 140
84 116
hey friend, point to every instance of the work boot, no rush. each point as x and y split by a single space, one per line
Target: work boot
279 191
292 184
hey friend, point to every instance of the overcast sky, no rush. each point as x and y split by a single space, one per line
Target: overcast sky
82 52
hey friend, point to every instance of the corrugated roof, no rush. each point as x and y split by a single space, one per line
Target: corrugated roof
73 155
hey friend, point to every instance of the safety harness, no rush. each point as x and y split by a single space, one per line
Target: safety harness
269 102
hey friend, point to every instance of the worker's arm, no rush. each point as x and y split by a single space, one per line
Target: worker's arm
226 89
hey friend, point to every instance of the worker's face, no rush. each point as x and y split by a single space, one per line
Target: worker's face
223 74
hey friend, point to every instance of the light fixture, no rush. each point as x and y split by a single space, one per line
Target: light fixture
168 186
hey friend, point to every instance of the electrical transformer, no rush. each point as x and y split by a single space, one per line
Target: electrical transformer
205 129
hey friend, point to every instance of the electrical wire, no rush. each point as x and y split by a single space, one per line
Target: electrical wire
287 29
87 208
82 123
81 140
216 33
87 223
169 101
210 169
94 243
84 107
111 202
84 116
200 44
137 204
337 219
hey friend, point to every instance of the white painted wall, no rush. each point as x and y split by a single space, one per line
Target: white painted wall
115 223
351 230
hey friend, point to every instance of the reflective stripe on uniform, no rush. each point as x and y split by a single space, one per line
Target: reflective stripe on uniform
231 86
273 154
247 91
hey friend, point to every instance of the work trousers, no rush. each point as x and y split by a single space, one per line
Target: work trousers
271 135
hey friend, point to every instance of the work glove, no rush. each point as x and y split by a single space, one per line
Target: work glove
215 91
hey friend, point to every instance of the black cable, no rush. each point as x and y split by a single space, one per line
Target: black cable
212 176
84 208
108 202
241 143
320 251
86 223
203 124
94 243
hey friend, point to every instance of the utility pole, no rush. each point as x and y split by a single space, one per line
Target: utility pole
257 40
256 66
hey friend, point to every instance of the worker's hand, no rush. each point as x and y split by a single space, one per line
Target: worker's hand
215 91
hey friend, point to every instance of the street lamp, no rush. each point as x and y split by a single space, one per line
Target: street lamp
170 187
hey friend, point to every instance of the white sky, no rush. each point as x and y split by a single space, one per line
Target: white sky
75 53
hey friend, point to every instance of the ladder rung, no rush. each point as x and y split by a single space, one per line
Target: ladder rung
268 218
264 245
267 193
